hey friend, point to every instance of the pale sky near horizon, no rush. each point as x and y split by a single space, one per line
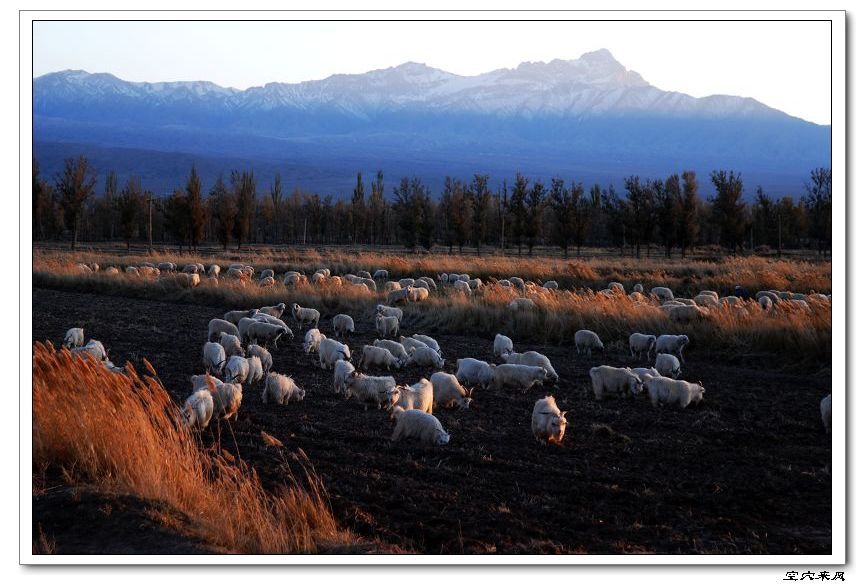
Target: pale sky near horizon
785 65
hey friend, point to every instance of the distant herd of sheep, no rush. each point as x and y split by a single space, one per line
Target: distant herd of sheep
237 350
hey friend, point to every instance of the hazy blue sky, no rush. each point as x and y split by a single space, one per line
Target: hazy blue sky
783 64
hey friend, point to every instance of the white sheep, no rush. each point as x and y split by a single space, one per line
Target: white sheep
414 424
645 373
265 318
642 344
273 311
521 305
505 283
683 301
329 351
551 284
231 344
476 284
166 266
379 357
685 314
256 370
429 341
534 358
406 282
663 293
548 422
395 348
672 344
265 282
400 295
74 338
425 356
217 326
226 400
431 284
389 311
268 273
709 301
410 342
473 372
342 373
826 412
379 390
312 340
342 325
236 369
453 277
502 346
264 333
112 270
213 271
448 392
380 274
364 274
92 347
418 396
198 409
668 365
617 287
638 288
281 390
710 293
305 315
234 317
518 283
213 357
668 391
292 278
463 287
765 303
386 326
203 382
586 340
417 294
608 380
132 270
514 375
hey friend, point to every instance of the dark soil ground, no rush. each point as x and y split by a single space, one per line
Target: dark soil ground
746 471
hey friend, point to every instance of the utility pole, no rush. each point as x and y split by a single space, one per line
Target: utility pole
150 222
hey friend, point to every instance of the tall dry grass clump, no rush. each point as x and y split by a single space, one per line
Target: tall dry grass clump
122 433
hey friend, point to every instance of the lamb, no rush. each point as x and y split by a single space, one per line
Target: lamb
534 358
463 288
386 326
645 373
256 371
379 357
519 376
342 373
94 348
668 365
389 311
74 338
551 284
418 396
474 372
826 412
397 296
214 357
303 316
379 390
197 410
231 343
234 317
521 304
329 351
226 400
586 341
281 390
448 392
311 340
672 344
414 424
663 293
396 349
641 343
607 380
218 326
425 356
429 341
203 382
667 391
342 325
548 422
273 311
380 274
237 369
417 294
502 346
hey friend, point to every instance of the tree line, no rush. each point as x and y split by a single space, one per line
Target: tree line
669 213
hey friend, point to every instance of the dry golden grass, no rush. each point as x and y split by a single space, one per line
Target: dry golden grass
121 433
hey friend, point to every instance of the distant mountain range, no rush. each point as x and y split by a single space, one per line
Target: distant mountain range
588 119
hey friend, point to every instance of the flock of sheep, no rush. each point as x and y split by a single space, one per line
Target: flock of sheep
237 351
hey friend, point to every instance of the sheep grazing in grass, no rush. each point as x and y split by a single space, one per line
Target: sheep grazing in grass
342 325
262 354
428 341
380 274
292 278
518 283
422 284
672 344
517 376
268 273
256 370
505 283
305 315
826 412
236 274
638 288
93 348
642 344
226 400
231 344
473 372
645 373
551 284
668 391
265 282
406 282
264 333
198 409
389 311
398 296
548 422
731 301
448 392
131 270
417 294
342 373
425 356
213 271
418 396
386 326
415 424
166 266
395 348
607 380
311 340
502 346
236 369
330 351
586 341
431 284
663 293
203 382
521 305
281 390
708 301
234 317
668 365
378 390
112 270
685 314
475 284
534 358
463 288
273 311
219 326
213 357
379 357
391 286
765 303
410 342
74 338
617 287
190 269
265 318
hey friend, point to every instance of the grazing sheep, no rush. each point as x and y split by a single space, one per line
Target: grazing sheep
214 357
463 288
329 351
672 344
415 424
475 284
167 266
231 343
274 311
668 391
448 392
368 283
765 303
94 348
406 282
198 409
236 369
586 341
379 357
731 301
342 373
256 370
617 287
410 342
668 365
518 283
709 301
218 326
311 340
398 296
418 396
268 281
422 284
391 286
379 390
129 269
505 283
203 382
521 304
265 318
638 288
112 270
281 390
453 277
292 278
268 273
425 356
502 346
429 341
826 412
190 269
236 274
521 377
431 284
607 380
303 316
395 348
226 400
686 314
342 325
389 311
710 293
663 293
380 274
234 317
548 422
74 338
386 326
472 372
213 271
533 358
645 373
642 344
417 294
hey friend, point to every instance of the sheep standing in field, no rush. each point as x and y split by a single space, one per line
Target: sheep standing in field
342 325
418 396
93 348
534 358
273 311
642 344
398 296
617 287
380 274
638 288
502 346
234 317
520 377
74 338
281 390
586 341
268 273
312 340
203 382
395 348
386 326
378 390
417 294
330 351
379 357
406 282
213 271
425 356
463 288
672 344
475 284
256 371
389 311
264 333
607 380
668 391
305 315
236 369
548 422
226 400
292 278
765 303
428 341
214 357
645 373
342 373
265 282
668 365
521 305
112 270
686 314
663 293
430 283
410 342
705 300
166 266
219 326
826 412
198 409
231 344
448 392
472 372
131 270
551 284
415 424
262 354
